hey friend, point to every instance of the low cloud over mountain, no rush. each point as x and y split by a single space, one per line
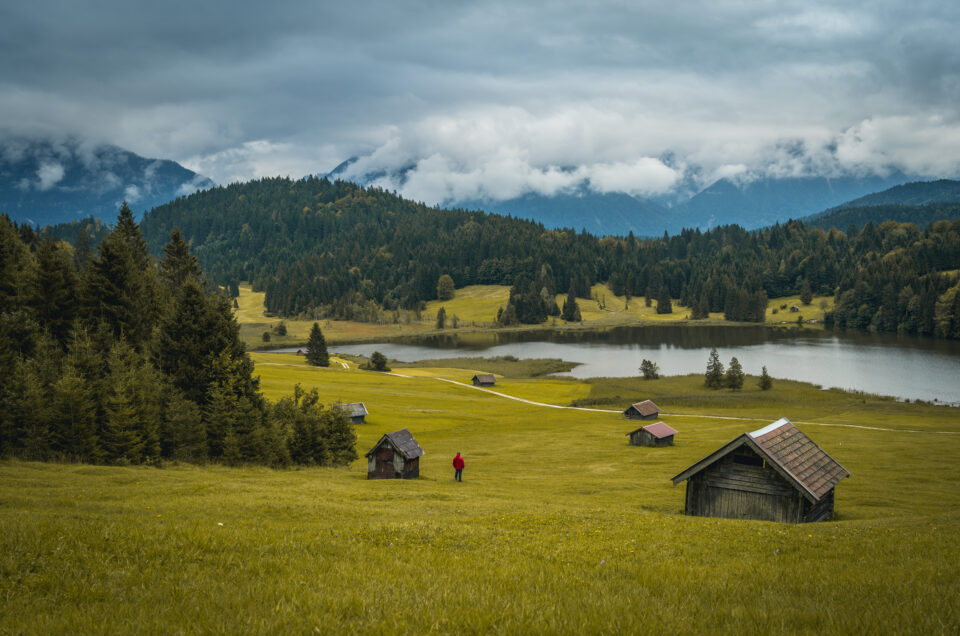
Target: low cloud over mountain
45 181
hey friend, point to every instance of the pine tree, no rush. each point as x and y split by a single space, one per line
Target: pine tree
57 290
441 318
571 310
734 376
73 418
664 306
806 294
178 264
120 284
714 376
317 348
766 382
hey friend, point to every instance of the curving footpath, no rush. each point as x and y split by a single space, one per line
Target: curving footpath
710 417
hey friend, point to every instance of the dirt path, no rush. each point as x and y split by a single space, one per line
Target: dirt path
710 417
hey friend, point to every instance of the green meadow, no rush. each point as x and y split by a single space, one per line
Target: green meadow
475 308
558 527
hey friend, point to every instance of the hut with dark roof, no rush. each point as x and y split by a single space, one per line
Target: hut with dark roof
484 379
658 434
395 456
645 410
356 411
775 473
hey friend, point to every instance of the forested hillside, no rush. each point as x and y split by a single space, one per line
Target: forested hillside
857 217
116 357
323 248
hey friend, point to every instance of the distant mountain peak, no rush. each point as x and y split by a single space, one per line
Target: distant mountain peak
46 181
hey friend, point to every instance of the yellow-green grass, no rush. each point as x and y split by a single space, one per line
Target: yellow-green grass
476 308
558 527
254 322
475 305
814 311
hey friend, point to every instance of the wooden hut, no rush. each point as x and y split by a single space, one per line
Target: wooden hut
395 456
484 379
356 411
645 410
658 434
775 473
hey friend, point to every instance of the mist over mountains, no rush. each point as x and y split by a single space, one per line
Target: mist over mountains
749 202
44 181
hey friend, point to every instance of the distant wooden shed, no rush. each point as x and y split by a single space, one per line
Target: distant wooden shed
395 456
658 434
356 411
484 379
775 473
645 410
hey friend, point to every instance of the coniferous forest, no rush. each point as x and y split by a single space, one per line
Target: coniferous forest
322 248
118 357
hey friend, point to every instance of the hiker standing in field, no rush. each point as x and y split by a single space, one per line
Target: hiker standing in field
458 467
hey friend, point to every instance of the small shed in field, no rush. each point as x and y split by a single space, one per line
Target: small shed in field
484 379
356 411
658 434
775 473
645 410
395 456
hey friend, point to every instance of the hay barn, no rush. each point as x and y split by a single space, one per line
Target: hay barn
658 434
484 379
356 411
775 473
395 456
645 410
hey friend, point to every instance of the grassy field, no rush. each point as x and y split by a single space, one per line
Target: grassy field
558 527
476 307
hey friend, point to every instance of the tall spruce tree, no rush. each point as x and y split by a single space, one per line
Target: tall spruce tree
733 379
571 310
766 382
713 378
178 264
664 306
317 348
120 283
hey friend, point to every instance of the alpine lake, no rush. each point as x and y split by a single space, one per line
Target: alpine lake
905 367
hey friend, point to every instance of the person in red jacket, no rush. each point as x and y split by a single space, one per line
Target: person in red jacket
458 467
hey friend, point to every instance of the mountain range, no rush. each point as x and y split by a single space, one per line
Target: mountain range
750 203
45 182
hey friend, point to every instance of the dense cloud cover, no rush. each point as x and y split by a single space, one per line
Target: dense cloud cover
495 99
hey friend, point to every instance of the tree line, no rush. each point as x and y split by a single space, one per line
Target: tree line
332 249
120 357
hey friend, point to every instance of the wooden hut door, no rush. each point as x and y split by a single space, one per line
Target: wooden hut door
385 461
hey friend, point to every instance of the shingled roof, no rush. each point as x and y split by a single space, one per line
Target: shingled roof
354 409
645 408
791 453
402 441
485 378
659 430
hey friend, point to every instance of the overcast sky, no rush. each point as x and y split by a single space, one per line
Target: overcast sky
494 99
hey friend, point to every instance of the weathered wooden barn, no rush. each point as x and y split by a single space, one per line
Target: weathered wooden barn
658 434
645 410
484 379
395 456
775 473
356 411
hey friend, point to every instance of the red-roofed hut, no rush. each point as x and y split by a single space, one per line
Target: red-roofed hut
658 434
645 410
775 473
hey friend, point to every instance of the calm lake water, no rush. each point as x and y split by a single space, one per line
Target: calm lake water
905 367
